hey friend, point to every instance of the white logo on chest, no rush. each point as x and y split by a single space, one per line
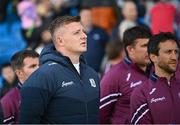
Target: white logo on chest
53 63
65 84
158 99
152 91
128 76
134 84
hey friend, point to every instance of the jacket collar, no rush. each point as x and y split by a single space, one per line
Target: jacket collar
133 65
155 77
19 85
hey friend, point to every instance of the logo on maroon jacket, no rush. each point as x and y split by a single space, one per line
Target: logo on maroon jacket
134 84
160 99
128 76
152 91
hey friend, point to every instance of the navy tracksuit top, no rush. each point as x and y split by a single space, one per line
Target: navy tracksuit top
56 93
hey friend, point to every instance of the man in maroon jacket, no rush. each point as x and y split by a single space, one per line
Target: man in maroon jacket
157 100
24 63
119 82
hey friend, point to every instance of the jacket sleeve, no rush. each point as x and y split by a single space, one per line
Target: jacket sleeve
8 109
140 112
109 95
34 99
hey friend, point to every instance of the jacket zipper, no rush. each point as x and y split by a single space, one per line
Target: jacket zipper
87 115
79 77
172 99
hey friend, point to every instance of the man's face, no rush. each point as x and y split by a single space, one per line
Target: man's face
167 59
130 11
74 38
8 74
139 52
30 65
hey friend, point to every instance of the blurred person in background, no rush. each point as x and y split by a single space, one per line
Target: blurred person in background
114 55
97 39
142 10
45 39
117 84
24 63
162 17
30 21
9 79
45 10
65 7
157 100
103 13
28 14
130 13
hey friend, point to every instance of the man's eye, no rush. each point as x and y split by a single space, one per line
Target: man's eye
76 32
168 52
145 45
85 32
176 51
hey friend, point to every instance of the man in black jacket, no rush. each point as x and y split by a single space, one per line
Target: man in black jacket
64 89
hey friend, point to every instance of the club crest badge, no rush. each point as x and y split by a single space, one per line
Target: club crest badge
93 83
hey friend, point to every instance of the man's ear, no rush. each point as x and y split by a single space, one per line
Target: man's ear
59 37
153 58
130 50
19 73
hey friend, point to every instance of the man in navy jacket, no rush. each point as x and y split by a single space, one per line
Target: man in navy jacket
157 100
24 63
64 89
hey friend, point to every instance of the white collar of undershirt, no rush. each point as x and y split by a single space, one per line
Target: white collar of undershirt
77 67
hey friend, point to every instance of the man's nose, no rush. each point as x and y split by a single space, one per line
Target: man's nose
174 55
84 36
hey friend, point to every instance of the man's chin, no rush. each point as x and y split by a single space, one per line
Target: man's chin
172 70
83 51
147 62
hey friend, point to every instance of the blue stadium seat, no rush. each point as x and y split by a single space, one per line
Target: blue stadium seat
11 40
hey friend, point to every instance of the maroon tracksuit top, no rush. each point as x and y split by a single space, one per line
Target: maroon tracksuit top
116 88
156 102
